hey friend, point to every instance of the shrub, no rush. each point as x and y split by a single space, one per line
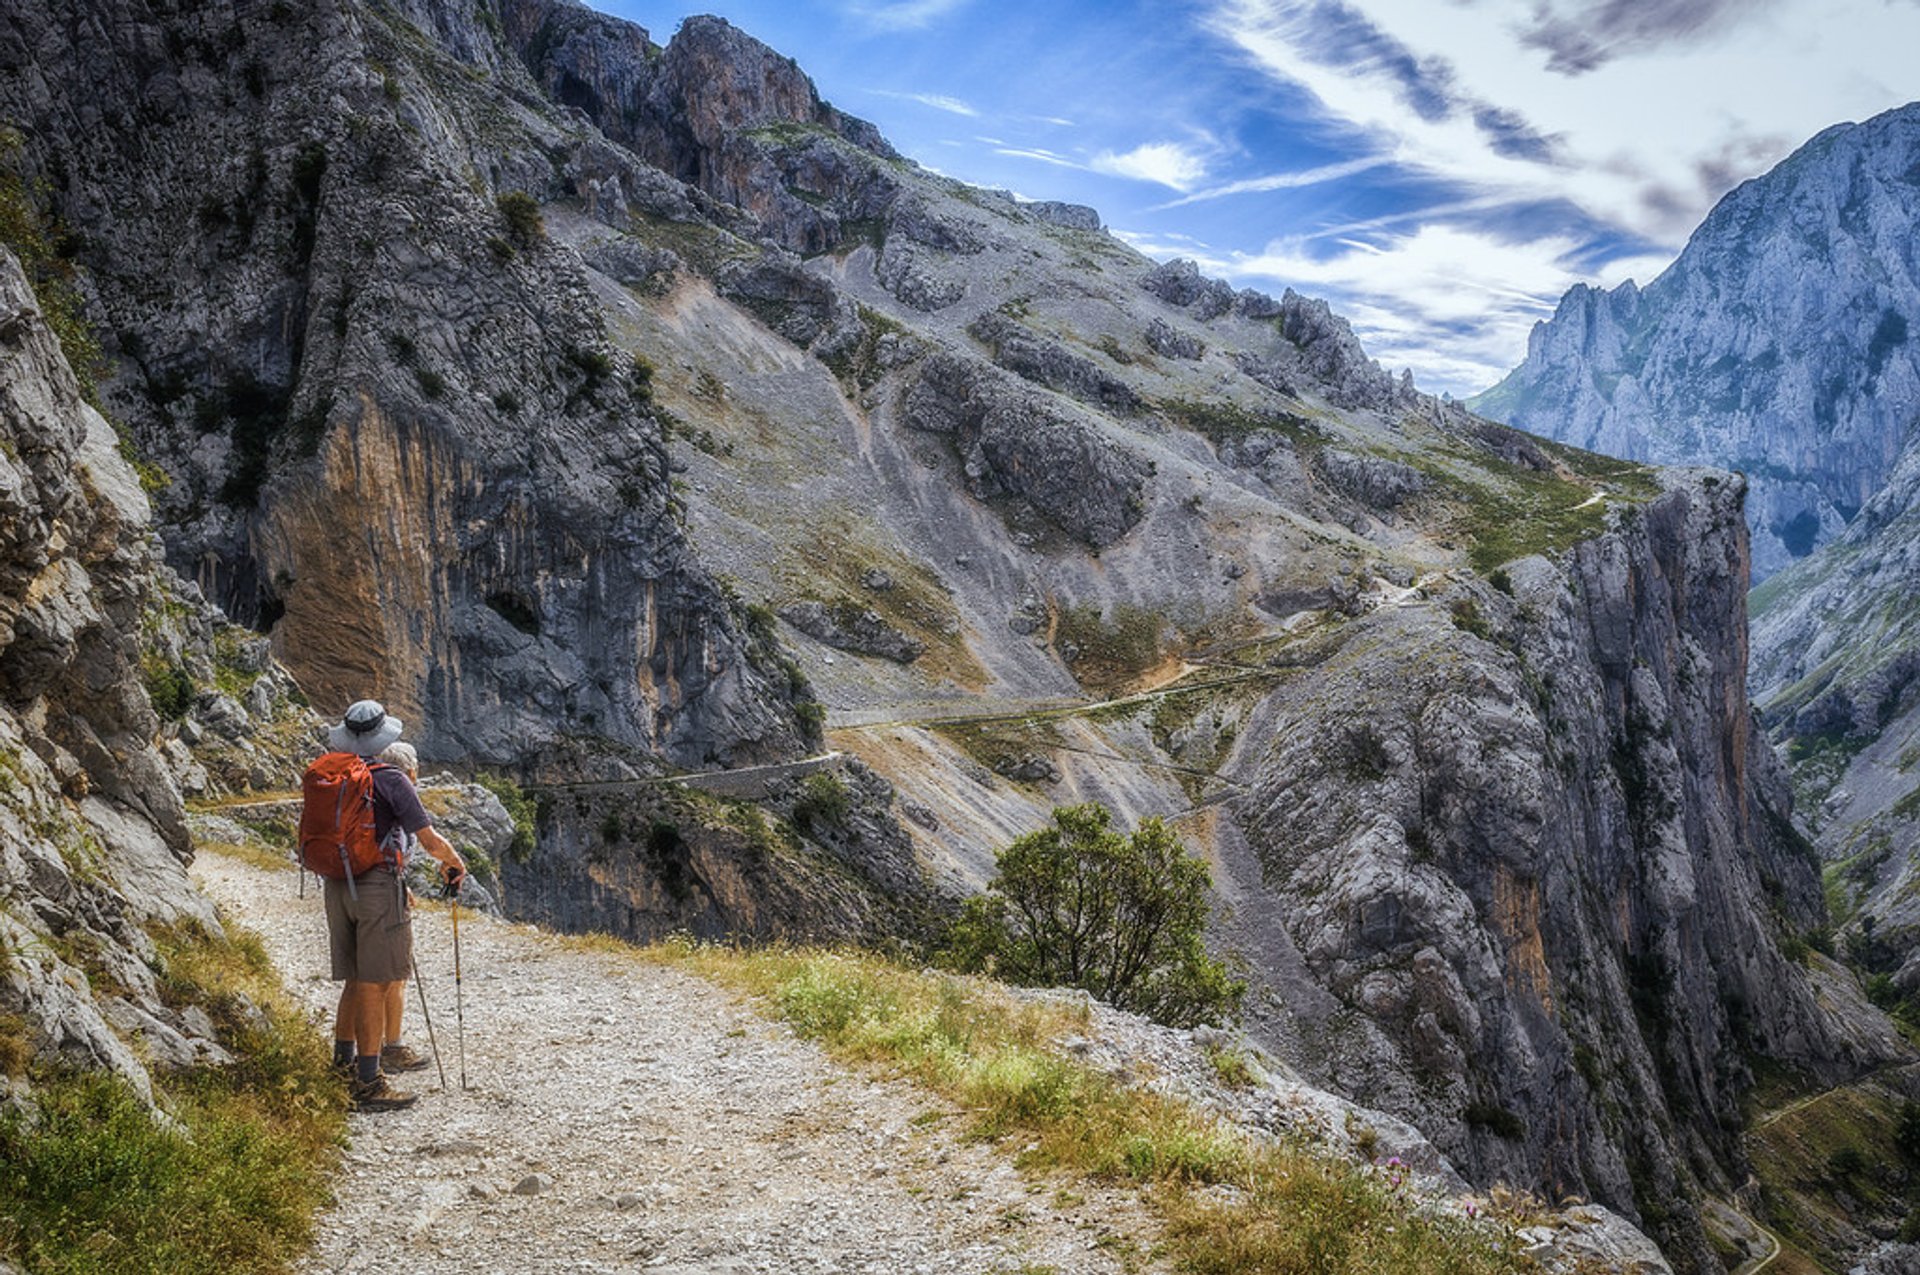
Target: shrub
168 687
1846 1163
823 800
1906 1130
521 212
1079 905
524 810
93 1183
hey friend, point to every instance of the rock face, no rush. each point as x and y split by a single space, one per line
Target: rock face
1550 926
1779 343
398 438
93 840
1015 442
648 861
853 628
1837 671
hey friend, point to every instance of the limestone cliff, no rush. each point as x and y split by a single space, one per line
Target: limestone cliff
1837 670
398 438
93 841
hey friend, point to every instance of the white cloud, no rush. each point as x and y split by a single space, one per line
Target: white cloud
902 15
938 101
1167 163
1454 304
1041 154
1282 181
1644 140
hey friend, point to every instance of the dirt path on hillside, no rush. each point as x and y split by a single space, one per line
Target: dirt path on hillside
674 1130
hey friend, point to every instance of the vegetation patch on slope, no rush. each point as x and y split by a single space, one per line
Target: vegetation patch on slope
1828 1162
93 1183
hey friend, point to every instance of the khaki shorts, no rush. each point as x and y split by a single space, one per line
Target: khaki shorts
372 935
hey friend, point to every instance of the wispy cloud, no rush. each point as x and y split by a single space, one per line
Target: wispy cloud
1042 155
1582 35
1168 163
1455 302
938 101
1281 181
901 15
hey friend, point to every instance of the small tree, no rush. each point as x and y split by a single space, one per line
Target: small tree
1079 905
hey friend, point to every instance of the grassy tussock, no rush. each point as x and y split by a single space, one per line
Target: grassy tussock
1230 1204
93 1184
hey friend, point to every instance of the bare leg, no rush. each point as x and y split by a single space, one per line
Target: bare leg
396 1001
343 1016
370 1016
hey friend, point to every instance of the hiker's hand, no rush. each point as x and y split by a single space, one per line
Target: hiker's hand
456 877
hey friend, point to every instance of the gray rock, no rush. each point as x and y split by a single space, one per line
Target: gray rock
1168 341
533 1184
1015 441
848 627
1067 216
1051 364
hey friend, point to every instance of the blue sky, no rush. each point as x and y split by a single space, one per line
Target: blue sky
1440 170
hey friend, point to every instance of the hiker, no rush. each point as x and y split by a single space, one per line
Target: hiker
395 1054
369 926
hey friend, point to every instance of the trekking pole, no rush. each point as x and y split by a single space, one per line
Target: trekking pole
427 1014
459 1001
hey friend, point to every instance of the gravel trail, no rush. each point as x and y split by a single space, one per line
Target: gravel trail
656 1123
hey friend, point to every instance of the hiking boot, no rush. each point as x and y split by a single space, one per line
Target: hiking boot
398 1058
378 1095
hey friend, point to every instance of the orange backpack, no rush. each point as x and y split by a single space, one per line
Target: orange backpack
336 824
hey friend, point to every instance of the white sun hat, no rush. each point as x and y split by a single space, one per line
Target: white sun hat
365 729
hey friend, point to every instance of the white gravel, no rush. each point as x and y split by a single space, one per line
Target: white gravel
627 1117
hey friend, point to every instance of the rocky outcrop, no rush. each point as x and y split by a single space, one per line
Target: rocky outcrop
1049 363
1547 891
847 626
1779 343
93 840
716 109
1015 441
824 861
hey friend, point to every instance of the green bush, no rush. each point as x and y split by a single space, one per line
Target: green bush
521 212
1846 1163
169 688
823 800
524 810
1079 905
1906 1130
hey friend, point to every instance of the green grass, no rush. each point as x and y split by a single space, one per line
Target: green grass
1113 650
1222 421
91 1183
1297 1209
1506 511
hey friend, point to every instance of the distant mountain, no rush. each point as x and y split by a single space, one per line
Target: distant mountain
1780 342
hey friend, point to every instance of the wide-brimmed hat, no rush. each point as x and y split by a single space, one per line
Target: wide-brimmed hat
366 729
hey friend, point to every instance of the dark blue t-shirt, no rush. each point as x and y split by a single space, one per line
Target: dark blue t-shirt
396 802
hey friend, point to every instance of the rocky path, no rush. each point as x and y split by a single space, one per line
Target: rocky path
628 1117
